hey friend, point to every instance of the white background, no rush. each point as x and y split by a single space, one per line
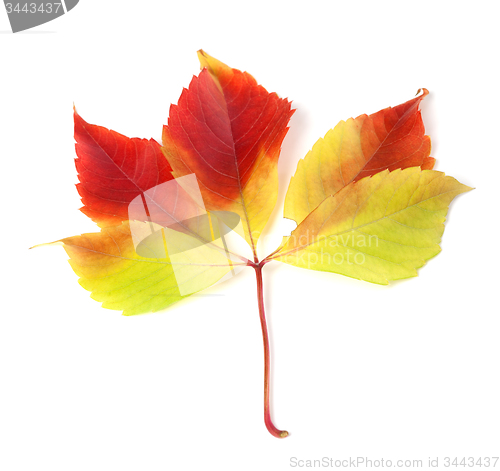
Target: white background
409 371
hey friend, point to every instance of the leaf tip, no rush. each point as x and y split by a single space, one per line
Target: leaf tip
204 59
424 91
57 242
468 188
215 67
201 54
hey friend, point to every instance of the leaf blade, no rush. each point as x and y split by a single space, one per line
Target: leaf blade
228 130
109 266
403 211
113 170
389 139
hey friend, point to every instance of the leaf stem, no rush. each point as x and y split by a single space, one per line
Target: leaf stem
267 363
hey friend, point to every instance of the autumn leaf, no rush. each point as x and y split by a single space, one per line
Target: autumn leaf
228 130
389 139
175 218
113 170
378 229
110 267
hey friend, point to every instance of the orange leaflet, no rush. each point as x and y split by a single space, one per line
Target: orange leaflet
387 140
113 170
228 130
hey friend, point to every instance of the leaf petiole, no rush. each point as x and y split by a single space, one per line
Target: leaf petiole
267 360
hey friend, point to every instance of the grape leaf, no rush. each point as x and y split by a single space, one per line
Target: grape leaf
175 218
228 130
378 229
389 139
113 170
109 266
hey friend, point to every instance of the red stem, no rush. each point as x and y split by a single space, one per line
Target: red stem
267 364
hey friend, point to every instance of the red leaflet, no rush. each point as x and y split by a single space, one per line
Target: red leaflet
113 169
390 139
228 130
395 138
222 132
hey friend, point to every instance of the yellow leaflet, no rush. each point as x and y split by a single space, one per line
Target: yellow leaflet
379 229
